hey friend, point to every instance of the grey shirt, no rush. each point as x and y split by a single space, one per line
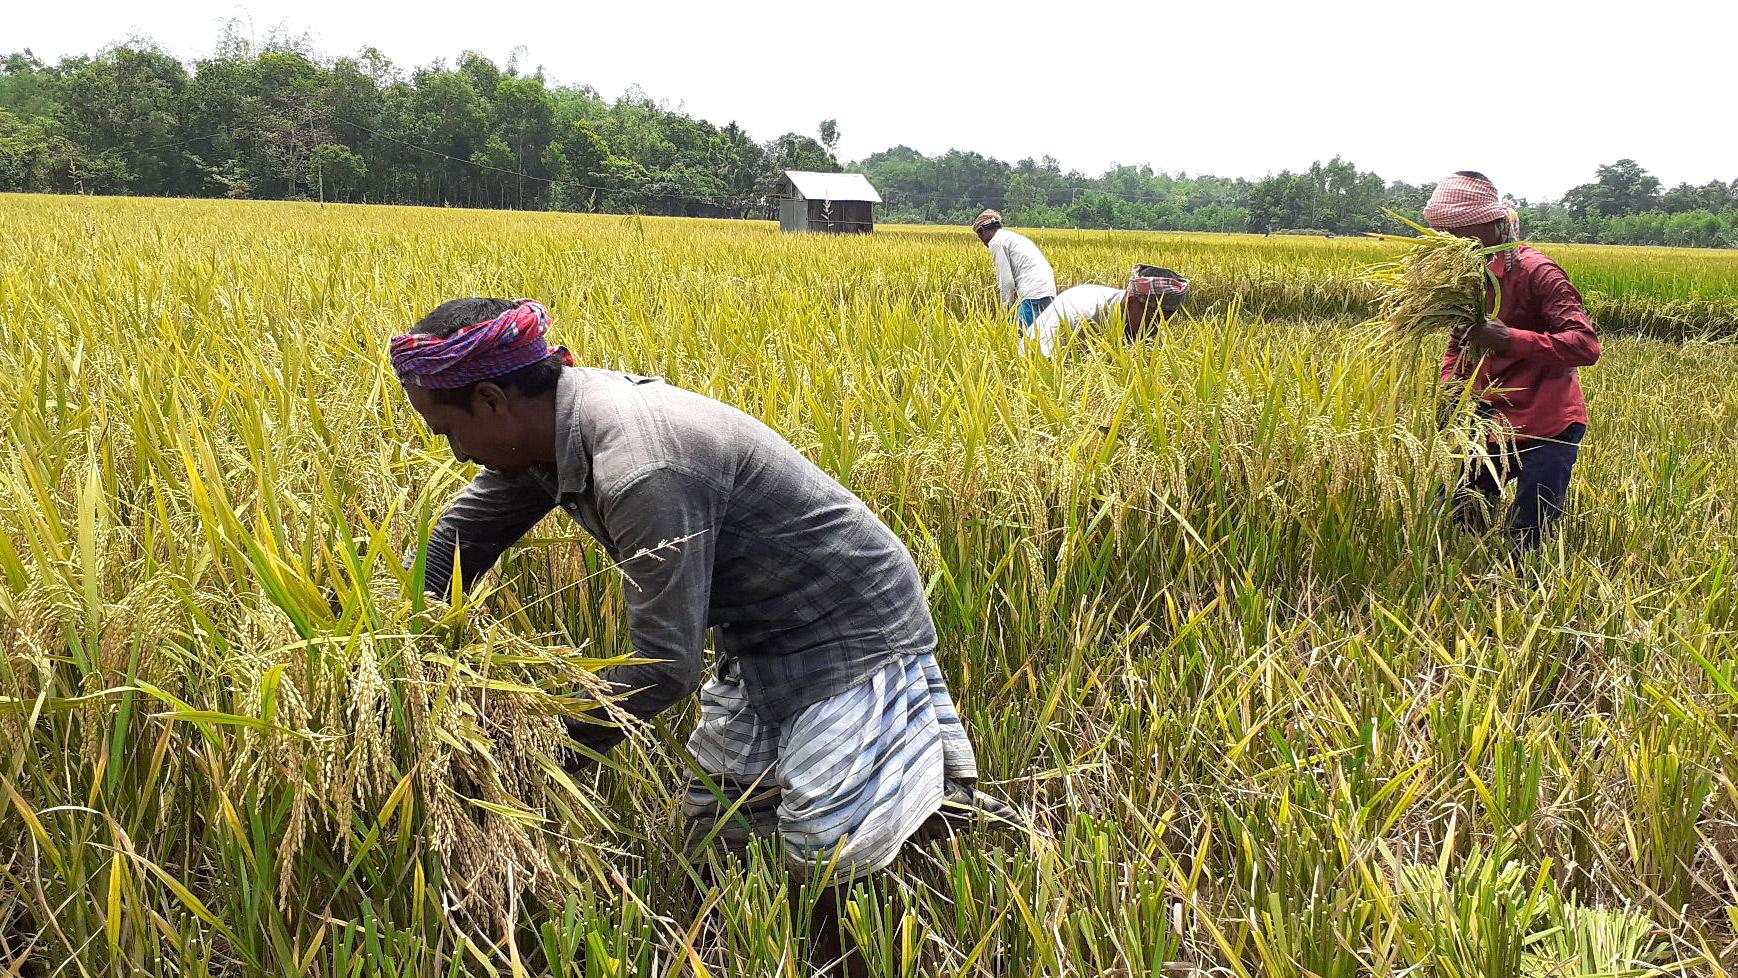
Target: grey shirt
807 589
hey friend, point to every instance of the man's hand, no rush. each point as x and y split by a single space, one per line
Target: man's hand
1492 336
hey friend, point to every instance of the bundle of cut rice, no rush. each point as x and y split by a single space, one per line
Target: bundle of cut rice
1440 282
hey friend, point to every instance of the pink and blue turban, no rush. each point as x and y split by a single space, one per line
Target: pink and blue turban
514 339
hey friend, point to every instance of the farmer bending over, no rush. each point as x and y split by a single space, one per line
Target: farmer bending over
1522 362
826 685
1024 276
1152 294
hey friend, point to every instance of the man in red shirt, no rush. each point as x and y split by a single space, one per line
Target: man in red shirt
1522 362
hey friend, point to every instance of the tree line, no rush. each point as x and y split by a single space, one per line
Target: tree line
278 121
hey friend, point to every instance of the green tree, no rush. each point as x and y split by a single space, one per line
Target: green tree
495 158
585 158
1408 199
294 119
33 157
448 115
795 152
792 151
523 118
353 98
336 171
27 86
1095 209
1618 189
1025 195
1277 203
1712 196
123 109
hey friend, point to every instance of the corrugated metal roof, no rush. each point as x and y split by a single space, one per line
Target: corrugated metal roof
833 186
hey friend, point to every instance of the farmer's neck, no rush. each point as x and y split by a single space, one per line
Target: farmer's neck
536 414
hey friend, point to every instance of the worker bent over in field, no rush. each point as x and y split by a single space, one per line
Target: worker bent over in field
1152 295
1023 275
826 686
1522 362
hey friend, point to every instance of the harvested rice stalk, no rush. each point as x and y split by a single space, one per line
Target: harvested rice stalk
1439 283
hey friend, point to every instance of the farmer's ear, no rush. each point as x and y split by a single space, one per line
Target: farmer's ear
489 398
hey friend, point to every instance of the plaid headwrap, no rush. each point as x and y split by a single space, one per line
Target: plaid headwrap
1152 280
476 353
986 219
1461 202
1153 292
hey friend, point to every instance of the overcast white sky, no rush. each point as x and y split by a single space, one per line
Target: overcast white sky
1535 94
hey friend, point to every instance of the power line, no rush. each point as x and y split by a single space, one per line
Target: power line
179 142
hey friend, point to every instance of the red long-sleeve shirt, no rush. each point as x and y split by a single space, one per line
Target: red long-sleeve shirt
1534 385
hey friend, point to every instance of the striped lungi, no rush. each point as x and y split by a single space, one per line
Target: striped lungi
844 782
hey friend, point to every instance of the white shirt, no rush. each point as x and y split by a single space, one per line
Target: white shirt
1081 304
1021 269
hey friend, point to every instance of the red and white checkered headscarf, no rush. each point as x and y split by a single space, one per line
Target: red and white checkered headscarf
1462 201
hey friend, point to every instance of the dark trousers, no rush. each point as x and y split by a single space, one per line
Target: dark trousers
1540 470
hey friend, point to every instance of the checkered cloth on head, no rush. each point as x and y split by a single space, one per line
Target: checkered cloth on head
476 353
1149 280
1153 294
986 219
1462 202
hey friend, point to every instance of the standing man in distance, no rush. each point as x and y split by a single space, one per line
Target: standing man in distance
1522 362
1024 276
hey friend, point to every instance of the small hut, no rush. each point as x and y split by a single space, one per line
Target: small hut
834 203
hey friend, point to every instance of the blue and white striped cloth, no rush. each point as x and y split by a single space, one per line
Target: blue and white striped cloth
854 775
